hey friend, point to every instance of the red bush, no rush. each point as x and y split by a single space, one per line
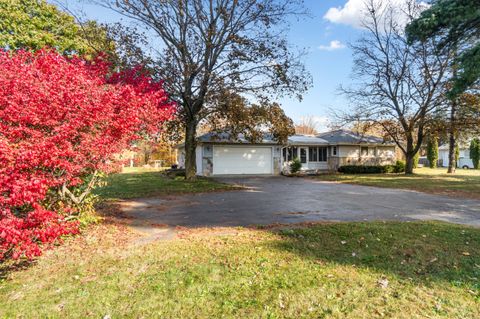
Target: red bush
60 120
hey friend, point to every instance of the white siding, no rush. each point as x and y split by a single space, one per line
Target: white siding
464 159
386 151
181 157
443 155
348 151
199 160
315 166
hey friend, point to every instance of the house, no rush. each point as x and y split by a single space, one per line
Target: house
222 154
464 160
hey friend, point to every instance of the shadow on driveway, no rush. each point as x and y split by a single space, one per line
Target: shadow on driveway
269 200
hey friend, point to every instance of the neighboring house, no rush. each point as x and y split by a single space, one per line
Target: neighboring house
464 160
220 154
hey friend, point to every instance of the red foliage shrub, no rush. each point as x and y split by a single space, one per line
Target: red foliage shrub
60 120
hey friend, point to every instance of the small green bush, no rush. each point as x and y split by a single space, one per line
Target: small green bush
295 166
399 167
360 169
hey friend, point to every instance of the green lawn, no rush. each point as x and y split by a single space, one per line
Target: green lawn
344 270
463 183
144 182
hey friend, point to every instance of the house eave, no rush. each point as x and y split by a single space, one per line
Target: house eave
289 144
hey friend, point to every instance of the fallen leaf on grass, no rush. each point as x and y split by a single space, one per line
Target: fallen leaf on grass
466 253
383 283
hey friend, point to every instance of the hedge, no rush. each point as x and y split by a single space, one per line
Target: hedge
399 167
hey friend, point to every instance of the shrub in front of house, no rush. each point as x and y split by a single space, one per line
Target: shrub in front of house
361 169
399 167
295 166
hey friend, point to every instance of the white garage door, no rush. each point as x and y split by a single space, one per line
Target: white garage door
242 160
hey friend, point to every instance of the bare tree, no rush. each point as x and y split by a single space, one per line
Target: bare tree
208 46
400 85
307 126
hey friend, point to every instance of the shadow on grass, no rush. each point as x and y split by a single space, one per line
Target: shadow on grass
420 251
467 186
9 266
152 184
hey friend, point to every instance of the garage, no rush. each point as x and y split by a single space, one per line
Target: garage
237 160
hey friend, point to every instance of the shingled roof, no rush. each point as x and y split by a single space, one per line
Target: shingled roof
306 140
226 137
328 138
349 137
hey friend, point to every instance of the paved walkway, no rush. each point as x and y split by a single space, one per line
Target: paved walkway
270 200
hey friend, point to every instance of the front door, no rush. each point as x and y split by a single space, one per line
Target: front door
303 155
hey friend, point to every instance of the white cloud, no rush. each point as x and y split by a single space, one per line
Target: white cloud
354 12
332 46
351 13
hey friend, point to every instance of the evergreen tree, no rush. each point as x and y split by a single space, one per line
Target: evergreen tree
456 22
475 152
416 158
432 151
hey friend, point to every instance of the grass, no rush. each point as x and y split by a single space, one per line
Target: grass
465 183
147 182
342 270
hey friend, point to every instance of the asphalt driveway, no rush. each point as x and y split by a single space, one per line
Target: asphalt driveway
268 200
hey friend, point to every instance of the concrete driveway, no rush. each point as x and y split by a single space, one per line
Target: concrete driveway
270 200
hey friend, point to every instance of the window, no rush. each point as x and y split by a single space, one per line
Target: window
289 153
322 154
294 153
312 154
317 154
334 151
303 155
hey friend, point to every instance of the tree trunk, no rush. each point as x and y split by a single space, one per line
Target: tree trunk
409 164
190 148
452 162
409 157
146 157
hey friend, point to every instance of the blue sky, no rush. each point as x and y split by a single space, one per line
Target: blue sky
325 35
